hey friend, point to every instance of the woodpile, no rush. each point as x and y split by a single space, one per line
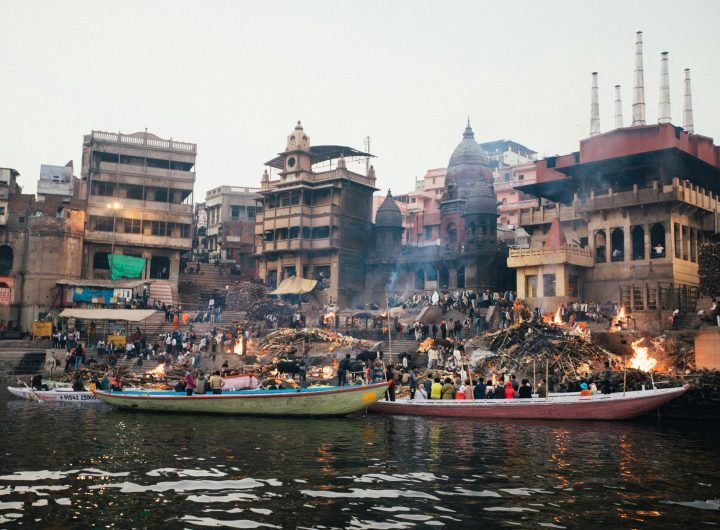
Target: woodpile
286 342
518 346
252 298
709 269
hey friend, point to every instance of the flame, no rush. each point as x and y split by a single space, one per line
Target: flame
328 371
329 318
558 319
622 313
426 345
238 348
641 360
158 371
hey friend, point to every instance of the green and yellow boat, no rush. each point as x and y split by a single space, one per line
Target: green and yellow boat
311 401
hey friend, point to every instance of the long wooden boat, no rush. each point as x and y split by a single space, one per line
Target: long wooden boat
617 406
318 401
64 394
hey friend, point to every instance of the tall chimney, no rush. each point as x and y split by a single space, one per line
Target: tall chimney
687 108
664 115
618 108
594 107
638 106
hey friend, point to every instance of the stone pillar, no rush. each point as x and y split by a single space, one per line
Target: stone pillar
646 243
298 266
520 280
540 284
452 278
561 281
627 241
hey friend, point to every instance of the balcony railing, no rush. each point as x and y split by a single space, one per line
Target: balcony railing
123 238
143 139
298 244
530 257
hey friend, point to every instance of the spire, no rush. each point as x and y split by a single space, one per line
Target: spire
371 172
618 108
468 131
594 107
265 180
664 115
687 107
555 236
341 163
389 194
638 107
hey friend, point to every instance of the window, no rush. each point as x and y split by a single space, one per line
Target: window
306 232
294 232
135 193
21 220
321 232
2 210
104 224
132 226
657 241
531 286
617 242
100 261
185 230
638 298
548 284
428 233
159 228
678 247
638 242
600 246
573 285
104 189
685 243
251 210
161 195
285 199
236 212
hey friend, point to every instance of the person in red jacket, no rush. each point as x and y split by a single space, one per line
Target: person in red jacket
190 383
509 392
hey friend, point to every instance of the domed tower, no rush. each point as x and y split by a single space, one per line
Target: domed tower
297 155
388 226
467 167
480 214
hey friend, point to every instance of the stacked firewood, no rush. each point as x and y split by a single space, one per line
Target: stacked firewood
290 340
517 347
709 269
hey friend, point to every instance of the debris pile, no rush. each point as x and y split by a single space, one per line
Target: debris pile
252 298
518 346
288 341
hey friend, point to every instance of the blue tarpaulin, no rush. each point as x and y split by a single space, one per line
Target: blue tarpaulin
87 294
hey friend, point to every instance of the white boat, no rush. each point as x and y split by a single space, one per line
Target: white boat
64 394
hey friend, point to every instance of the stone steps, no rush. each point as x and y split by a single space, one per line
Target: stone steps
161 290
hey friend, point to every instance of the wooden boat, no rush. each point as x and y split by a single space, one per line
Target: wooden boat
319 401
617 406
64 394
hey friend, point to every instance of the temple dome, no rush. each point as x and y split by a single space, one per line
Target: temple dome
468 164
389 214
482 199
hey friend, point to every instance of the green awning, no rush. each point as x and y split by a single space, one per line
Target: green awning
126 266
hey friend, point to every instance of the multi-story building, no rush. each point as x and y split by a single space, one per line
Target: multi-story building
41 240
317 218
56 180
634 205
623 217
230 212
139 193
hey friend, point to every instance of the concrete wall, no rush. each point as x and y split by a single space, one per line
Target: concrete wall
707 349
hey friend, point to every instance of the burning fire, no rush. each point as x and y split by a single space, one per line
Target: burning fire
158 371
426 345
238 348
329 318
622 314
558 318
641 360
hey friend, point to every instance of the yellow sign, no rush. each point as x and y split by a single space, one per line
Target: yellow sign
42 329
117 340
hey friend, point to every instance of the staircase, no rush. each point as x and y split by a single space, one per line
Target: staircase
195 290
161 290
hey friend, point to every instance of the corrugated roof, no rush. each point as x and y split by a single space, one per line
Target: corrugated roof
131 315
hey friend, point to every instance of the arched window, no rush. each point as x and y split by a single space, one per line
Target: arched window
657 241
638 242
420 279
6 260
617 244
600 247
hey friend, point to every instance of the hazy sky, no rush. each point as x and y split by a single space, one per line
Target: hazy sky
235 76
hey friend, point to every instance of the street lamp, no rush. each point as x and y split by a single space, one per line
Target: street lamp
114 206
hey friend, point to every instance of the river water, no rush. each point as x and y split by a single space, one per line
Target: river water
88 466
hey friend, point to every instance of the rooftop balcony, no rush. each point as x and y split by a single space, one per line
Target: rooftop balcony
533 257
545 214
297 244
141 240
142 139
145 171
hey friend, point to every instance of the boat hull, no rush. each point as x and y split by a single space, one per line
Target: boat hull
330 401
597 407
65 395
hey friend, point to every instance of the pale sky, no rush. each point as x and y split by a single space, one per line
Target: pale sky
235 76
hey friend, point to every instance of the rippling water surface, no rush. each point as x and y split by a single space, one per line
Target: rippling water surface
88 466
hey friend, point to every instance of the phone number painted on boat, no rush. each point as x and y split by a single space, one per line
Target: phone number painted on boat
75 397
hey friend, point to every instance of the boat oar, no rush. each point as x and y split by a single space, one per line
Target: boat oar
32 393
